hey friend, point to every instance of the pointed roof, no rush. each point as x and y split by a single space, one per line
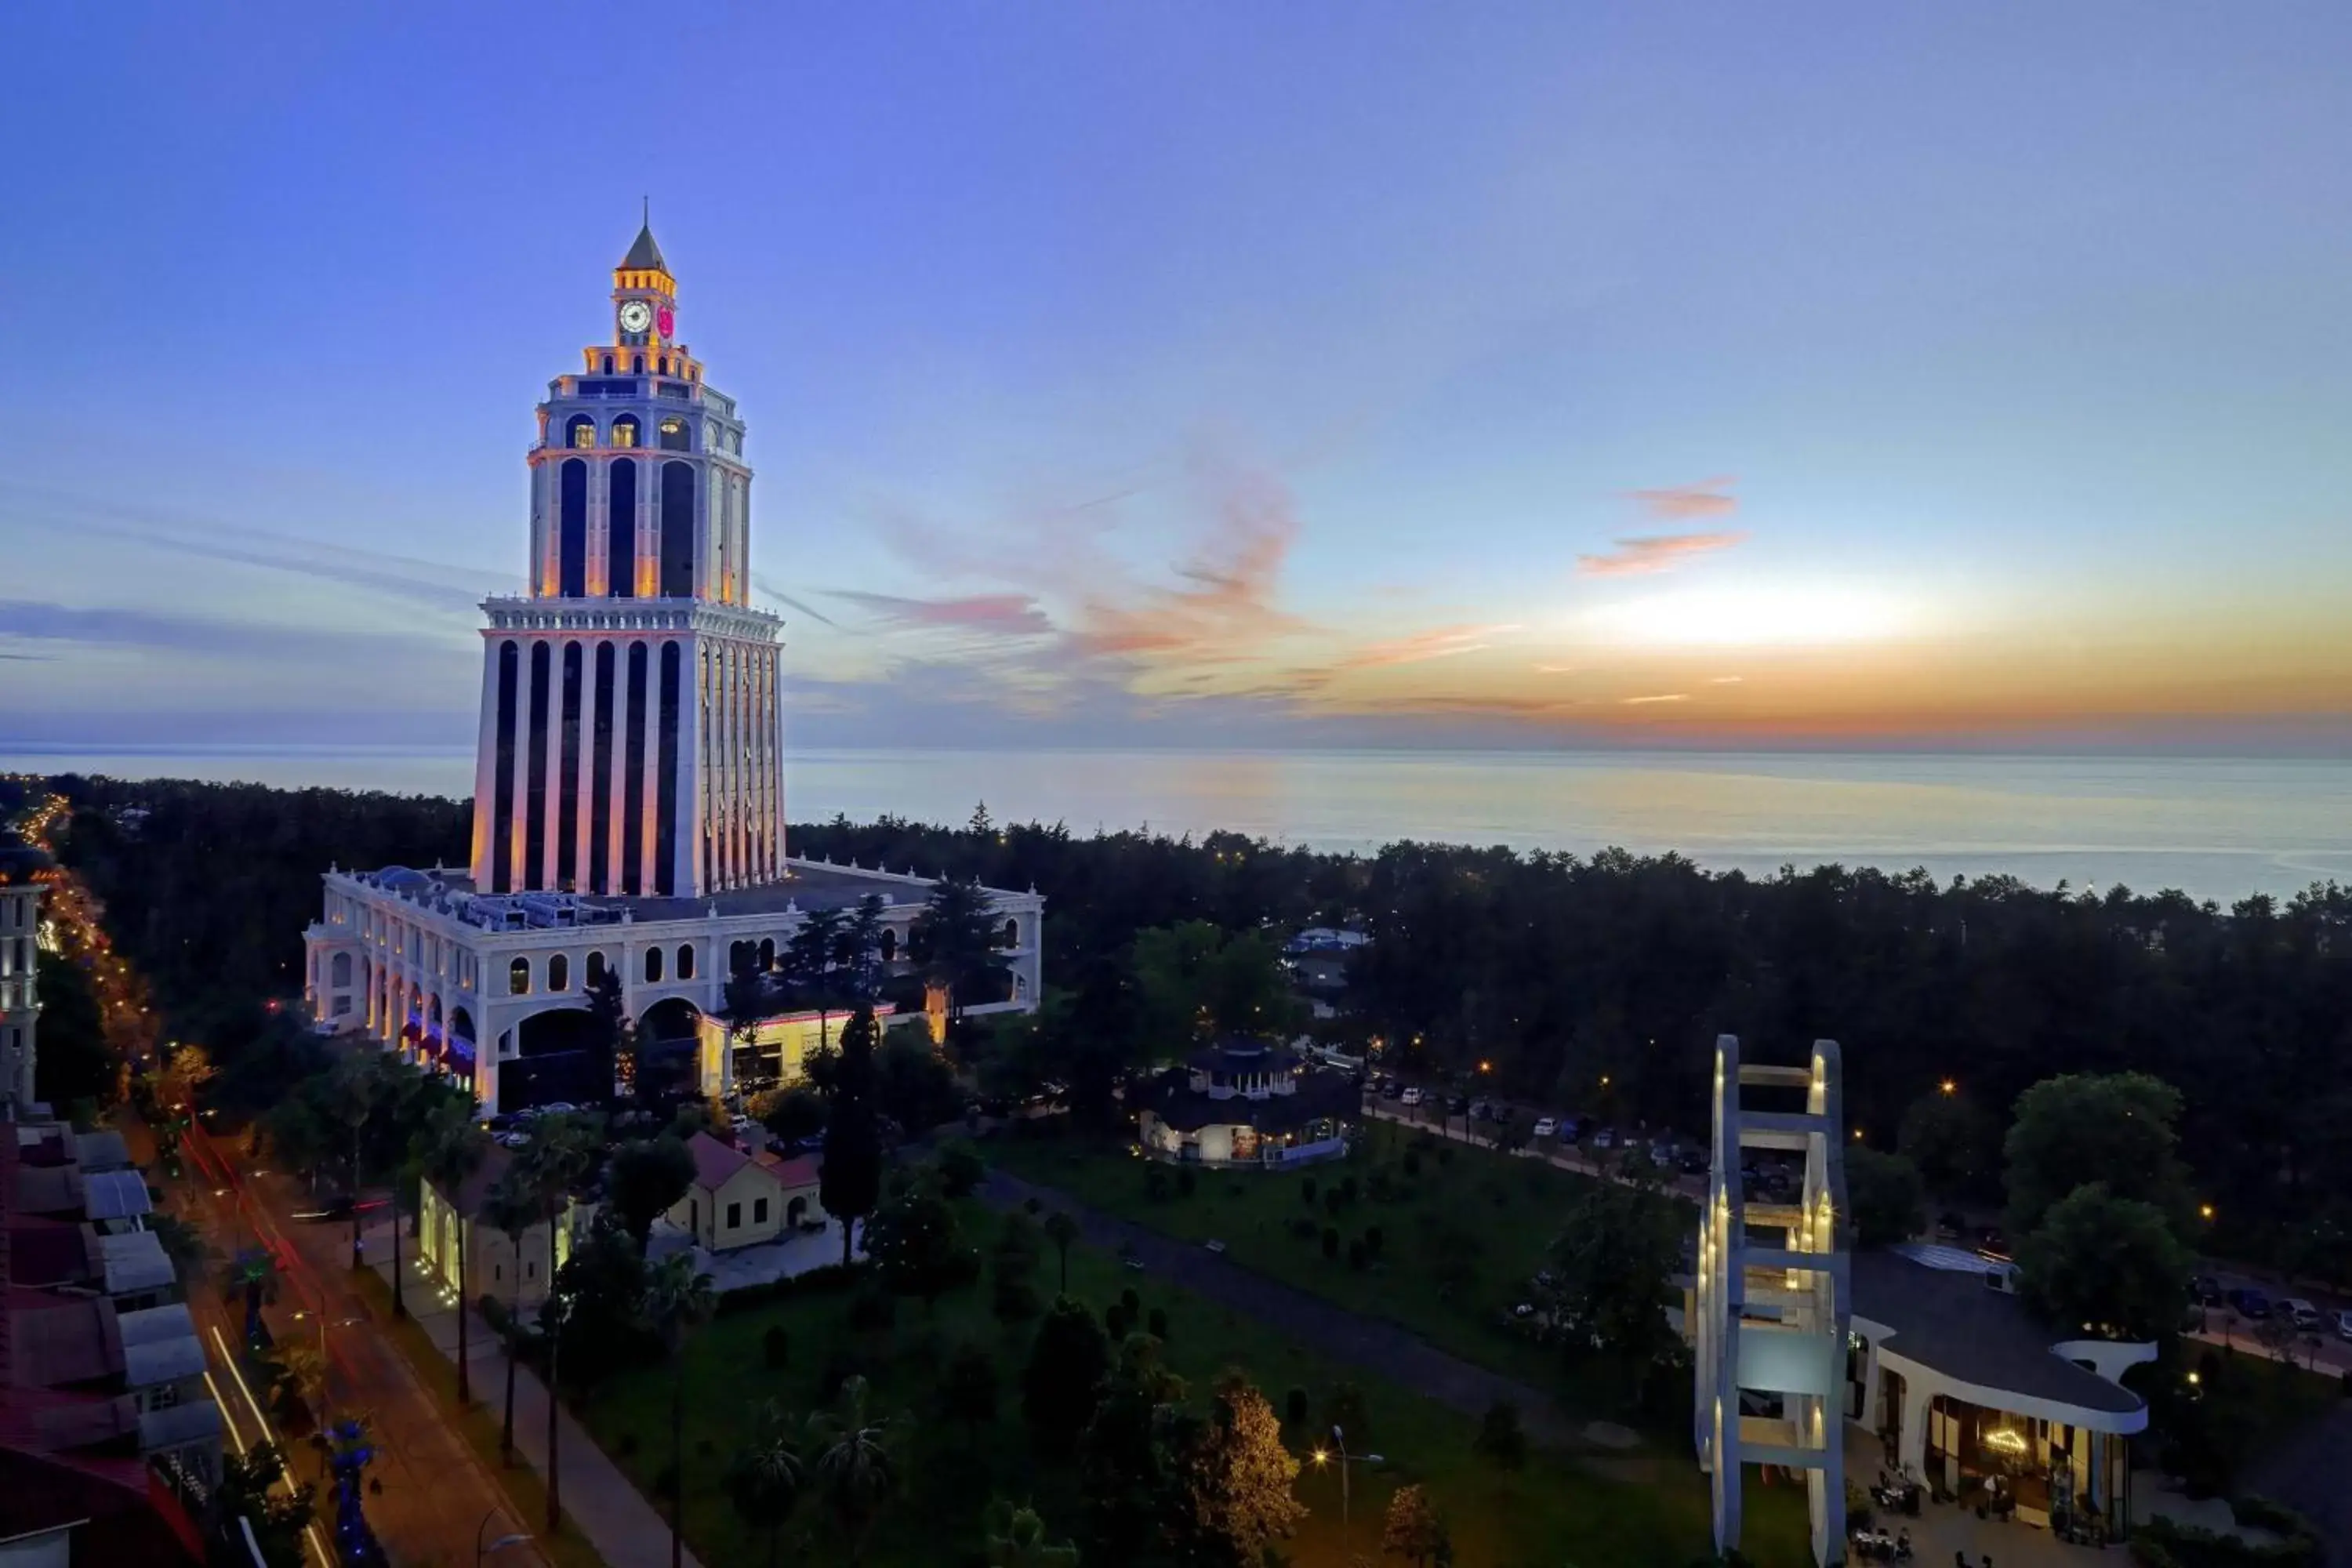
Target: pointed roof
645 256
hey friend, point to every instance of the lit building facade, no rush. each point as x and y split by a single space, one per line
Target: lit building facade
628 796
20 958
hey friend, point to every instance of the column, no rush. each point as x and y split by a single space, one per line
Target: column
552 777
583 823
648 762
519 784
619 765
485 762
687 853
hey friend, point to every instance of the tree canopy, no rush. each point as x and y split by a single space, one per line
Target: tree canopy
2111 1265
1884 1195
2080 1128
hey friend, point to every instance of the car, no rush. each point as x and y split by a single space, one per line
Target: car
1606 1138
1412 1095
2302 1312
2248 1303
2344 1325
1213 1244
1545 1126
2208 1290
326 1026
1480 1111
1390 1089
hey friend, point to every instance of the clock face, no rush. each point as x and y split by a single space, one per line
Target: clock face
635 316
664 321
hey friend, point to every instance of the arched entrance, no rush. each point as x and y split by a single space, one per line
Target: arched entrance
670 1046
557 1058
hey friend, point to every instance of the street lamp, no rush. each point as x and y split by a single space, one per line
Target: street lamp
1340 1439
501 1544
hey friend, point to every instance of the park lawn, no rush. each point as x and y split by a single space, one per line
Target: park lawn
1555 1510
1460 1239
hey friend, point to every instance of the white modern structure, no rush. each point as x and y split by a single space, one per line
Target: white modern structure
20 995
628 801
1245 1102
1769 1303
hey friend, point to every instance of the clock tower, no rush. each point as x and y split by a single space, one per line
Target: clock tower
630 737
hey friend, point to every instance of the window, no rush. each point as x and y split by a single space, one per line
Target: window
636 364
677 527
518 977
889 946
339 970
580 430
661 366
758 1211
625 430
621 514
768 953
653 965
673 436
608 364
685 961
529 1268
571 528
1011 933
734 1216
558 974
596 971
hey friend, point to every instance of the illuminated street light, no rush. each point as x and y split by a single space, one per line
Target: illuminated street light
1948 1086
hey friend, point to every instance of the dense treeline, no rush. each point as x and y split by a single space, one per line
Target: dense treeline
1592 984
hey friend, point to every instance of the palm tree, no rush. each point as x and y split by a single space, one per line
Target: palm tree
512 1208
675 1300
1062 1230
562 1153
857 1468
764 1483
454 1148
353 1093
253 1274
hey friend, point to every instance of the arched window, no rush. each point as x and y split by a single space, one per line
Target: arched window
518 977
558 974
653 965
338 973
889 946
1012 934
685 961
636 364
608 364
661 366
572 529
580 430
595 970
768 953
625 430
740 956
621 521
674 438
677 528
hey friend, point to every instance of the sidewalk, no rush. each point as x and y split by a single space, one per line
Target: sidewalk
599 1501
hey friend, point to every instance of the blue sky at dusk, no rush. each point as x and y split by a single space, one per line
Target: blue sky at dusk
1211 374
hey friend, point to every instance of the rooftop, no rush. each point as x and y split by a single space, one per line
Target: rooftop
714 1162
1952 1320
1319 1094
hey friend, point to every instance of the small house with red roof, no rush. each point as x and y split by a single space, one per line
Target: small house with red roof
740 1199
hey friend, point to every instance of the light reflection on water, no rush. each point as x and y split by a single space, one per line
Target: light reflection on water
2215 828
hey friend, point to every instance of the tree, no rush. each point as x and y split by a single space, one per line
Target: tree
850 1182
855 1466
357 1091
1883 1195
1953 1142
511 1208
967 1389
457 1150
1413 1529
1613 1267
1502 1441
765 1480
2107 1263
1066 1363
1131 1462
1240 1474
677 1298
960 1170
603 1281
612 1038
2076 1129
649 1176
791 1114
954 939
914 1241
746 997
1016 1537
809 956
74 1063
249 1489
1061 1229
858 949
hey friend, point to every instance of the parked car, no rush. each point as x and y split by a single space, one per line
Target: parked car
1412 1096
1662 1151
2249 1303
1606 1138
2208 1290
1481 1110
2344 1325
1390 1089
2304 1314
1545 1126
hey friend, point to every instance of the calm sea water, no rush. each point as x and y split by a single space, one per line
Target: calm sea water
2215 829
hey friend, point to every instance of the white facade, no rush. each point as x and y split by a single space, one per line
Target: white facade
628 806
1770 1303
20 996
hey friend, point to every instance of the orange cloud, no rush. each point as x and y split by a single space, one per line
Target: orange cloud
1641 556
1014 615
1686 504
1226 610
1439 642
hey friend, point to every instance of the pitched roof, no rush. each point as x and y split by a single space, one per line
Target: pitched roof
644 255
714 1162
800 1171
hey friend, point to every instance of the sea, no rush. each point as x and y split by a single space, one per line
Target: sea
2215 829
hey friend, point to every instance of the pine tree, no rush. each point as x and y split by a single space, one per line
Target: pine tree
850 1183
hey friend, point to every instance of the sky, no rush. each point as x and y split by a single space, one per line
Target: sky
1208 375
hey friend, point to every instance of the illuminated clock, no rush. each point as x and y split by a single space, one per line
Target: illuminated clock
635 316
664 321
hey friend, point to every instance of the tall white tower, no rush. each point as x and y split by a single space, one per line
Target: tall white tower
20 997
631 736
